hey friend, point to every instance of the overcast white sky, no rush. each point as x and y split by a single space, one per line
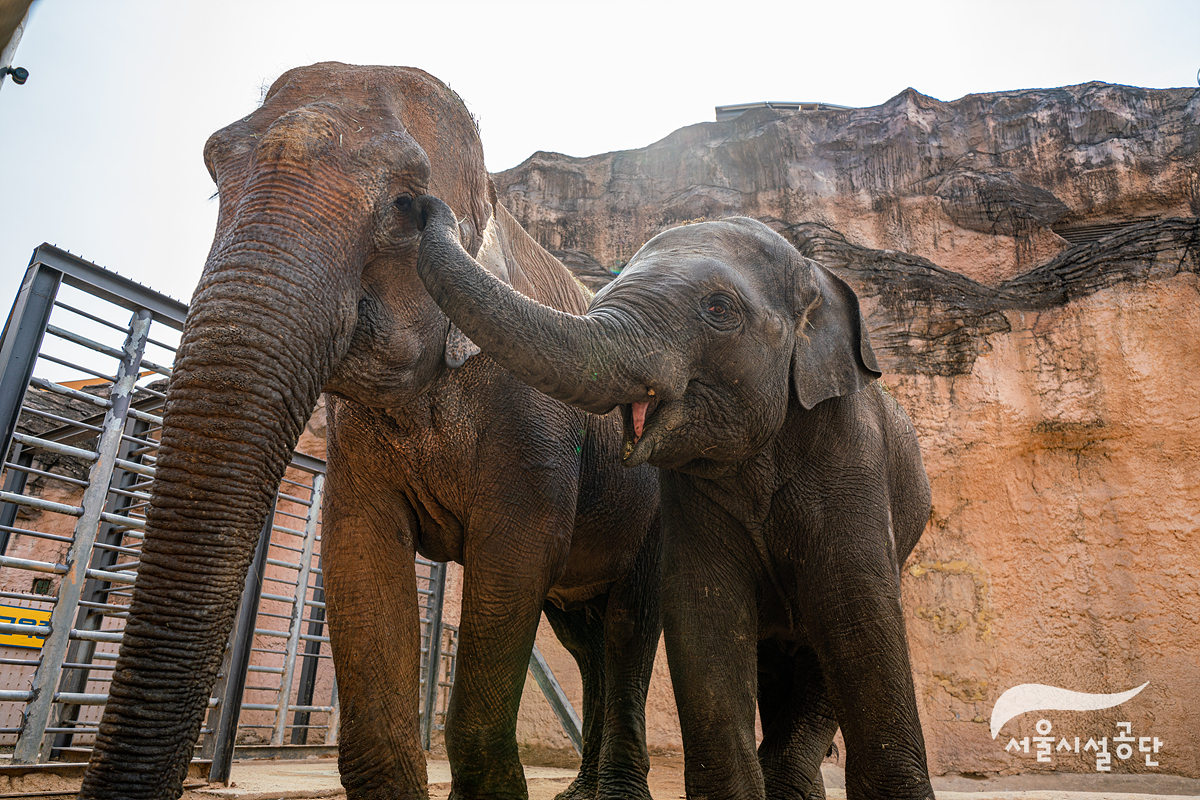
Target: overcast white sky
101 150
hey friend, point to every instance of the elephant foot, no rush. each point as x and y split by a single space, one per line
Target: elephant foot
587 787
582 788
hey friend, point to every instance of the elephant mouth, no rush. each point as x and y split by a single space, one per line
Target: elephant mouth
637 418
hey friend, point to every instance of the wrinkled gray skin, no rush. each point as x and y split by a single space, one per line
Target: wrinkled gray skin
792 490
311 285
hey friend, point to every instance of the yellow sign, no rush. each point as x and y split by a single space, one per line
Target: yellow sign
34 618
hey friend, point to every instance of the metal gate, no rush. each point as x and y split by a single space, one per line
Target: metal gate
85 355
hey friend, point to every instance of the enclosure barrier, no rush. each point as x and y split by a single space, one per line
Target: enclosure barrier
81 397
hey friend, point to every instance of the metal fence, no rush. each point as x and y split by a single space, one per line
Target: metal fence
84 355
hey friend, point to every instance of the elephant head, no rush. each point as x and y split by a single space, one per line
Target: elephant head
310 285
701 339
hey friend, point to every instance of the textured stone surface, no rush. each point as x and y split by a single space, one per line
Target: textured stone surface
1027 263
977 185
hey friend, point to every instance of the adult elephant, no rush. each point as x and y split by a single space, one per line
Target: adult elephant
311 285
792 490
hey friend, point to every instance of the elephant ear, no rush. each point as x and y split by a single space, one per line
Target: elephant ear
832 356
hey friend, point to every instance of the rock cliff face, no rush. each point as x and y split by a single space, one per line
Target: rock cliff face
987 186
1028 268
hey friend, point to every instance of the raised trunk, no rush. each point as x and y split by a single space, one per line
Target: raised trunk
262 336
590 362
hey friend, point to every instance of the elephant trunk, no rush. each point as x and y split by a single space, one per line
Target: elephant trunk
264 330
592 362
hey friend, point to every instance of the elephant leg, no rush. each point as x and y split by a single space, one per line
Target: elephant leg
857 628
506 577
632 627
581 631
710 626
798 722
371 596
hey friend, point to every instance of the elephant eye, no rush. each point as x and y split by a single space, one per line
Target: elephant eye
720 311
404 202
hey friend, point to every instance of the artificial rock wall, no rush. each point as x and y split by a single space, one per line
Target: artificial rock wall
1027 263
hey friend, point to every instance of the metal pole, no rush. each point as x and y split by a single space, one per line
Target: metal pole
21 341
37 713
308 672
14 483
437 585
557 697
293 643
82 651
230 708
335 718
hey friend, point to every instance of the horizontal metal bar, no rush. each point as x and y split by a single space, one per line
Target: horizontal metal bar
84 699
16 629
15 696
146 417
305 637
83 341
103 378
67 391
53 537
269 632
96 636
307 463
109 286
272 670
159 368
311 709
87 315
146 391
37 412
80 699
55 447
112 577
124 522
143 496
31 471
133 466
40 504
104 607
35 598
279 598
277 563
34 566
116 548
296 500
103 667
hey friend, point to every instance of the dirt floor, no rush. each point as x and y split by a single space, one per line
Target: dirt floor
288 780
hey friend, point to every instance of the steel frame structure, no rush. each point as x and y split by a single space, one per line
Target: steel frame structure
271 675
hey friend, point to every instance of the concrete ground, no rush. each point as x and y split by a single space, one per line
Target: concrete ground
318 778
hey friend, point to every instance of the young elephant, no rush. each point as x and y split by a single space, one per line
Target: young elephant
792 490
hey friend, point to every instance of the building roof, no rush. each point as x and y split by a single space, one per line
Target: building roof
730 112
